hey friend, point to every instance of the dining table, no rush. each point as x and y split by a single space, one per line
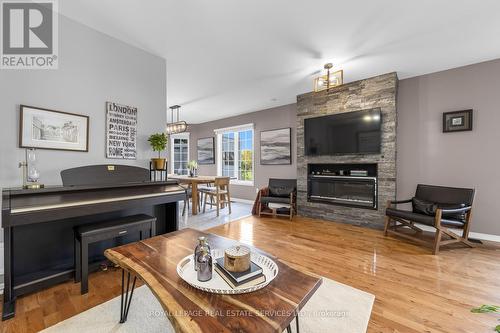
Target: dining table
193 182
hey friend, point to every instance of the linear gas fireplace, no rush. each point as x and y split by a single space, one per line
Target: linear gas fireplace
352 185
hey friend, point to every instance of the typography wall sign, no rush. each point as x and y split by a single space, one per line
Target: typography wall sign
29 34
121 131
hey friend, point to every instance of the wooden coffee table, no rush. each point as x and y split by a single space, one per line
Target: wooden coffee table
154 261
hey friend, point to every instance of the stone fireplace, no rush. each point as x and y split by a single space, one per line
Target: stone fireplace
327 187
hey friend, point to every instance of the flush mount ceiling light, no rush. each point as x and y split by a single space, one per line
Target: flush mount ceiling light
329 80
177 126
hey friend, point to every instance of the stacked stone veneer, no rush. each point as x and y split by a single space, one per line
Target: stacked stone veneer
376 92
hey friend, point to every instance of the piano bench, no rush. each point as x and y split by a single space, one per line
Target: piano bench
110 229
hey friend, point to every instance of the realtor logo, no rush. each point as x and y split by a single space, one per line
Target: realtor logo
29 34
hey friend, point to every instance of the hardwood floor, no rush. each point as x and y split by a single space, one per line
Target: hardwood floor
415 291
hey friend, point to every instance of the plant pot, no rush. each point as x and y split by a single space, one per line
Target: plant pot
158 163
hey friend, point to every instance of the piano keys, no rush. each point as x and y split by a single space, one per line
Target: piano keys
38 224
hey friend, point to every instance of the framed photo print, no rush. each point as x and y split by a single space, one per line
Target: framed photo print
276 146
206 150
49 129
457 121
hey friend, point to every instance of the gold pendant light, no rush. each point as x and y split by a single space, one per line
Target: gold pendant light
329 80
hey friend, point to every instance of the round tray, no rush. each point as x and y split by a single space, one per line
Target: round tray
217 285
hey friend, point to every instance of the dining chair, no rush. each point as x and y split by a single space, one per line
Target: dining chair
218 193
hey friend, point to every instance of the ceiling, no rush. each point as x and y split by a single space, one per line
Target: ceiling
228 57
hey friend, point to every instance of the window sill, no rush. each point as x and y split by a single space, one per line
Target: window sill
242 182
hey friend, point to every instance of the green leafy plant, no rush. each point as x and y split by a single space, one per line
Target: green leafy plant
488 309
158 142
192 165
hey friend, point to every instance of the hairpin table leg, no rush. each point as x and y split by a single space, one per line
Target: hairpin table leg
126 298
289 327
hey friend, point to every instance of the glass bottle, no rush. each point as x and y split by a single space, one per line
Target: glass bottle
205 264
202 243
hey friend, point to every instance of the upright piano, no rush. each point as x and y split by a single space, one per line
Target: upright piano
38 224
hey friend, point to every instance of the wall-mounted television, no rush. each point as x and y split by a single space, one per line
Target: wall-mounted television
357 132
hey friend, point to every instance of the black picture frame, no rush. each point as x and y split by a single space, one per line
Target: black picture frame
281 160
27 139
207 145
457 121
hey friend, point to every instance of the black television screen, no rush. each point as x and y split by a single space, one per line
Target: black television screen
344 133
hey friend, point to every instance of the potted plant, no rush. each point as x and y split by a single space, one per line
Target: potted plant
192 167
158 142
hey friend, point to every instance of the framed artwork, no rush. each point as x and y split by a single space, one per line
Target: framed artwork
49 129
206 150
121 131
276 146
457 121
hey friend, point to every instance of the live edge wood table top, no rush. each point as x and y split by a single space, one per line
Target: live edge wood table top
270 309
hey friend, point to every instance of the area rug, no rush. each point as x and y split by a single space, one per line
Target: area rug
335 307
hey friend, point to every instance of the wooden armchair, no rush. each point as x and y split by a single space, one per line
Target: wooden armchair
280 191
443 208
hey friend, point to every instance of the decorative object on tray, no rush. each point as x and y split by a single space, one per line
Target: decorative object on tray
250 277
121 131
276 146
49 129
193 168
457 121
206 150
218 285
237 259
158 142
202 243
204 264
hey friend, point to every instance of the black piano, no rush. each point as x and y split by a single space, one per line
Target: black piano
38 224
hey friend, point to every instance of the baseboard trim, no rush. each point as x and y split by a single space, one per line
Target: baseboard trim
243 200
476 235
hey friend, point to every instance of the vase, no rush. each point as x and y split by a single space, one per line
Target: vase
158 163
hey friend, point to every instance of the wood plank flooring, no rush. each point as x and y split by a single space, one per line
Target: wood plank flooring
415 291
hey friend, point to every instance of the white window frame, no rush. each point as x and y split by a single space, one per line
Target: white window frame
184 135
236 129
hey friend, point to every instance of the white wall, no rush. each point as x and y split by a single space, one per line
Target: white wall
93 68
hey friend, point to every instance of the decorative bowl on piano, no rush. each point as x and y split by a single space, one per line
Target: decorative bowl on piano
218 285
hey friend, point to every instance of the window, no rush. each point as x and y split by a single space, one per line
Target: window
179 148
235 154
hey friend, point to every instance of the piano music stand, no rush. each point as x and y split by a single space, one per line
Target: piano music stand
157 174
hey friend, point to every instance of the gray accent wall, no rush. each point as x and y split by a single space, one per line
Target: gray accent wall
279 117
93 68
462 159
